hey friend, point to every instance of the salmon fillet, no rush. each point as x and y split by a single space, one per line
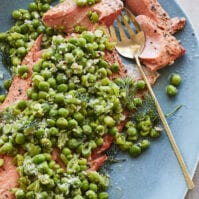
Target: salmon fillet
97 158
68 14
8 173
19 86
161 48
154 10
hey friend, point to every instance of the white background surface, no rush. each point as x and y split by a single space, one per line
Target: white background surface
191 7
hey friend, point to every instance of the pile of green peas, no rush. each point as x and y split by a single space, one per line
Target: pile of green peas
136 138
18 40
73 105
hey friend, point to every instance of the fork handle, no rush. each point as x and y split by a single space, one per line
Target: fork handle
185 172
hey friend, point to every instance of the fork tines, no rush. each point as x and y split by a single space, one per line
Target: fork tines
125 26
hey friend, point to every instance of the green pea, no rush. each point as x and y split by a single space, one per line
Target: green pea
79 117
115 67
15 60
39 158
154 133
109 121
72 123
45 7
46 74
132 131
50 122
19 43
22 104
52 82
175 79
30 195
1 162
33 6
103 195
113 131
145 144
135 151
140 84
59 98
47 54
20 138
89 36
21 70
69 58
46 143
73 143
91 194
42 95
21 51
131 106
7 84
61 78
43 86
53 131
53 112
7 148
99 141
93 16
41 29
43 167
90 2
171 90
81 3
93 187
62 123
20 194
36 68
66 151
3 36
87 129
137 101
63 112
2 98
62 88
16 14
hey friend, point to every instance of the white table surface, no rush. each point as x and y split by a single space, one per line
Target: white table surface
191 8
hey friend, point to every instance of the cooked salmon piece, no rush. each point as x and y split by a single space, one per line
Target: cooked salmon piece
67 14
161 48
8 178
19 86
8 173
155 12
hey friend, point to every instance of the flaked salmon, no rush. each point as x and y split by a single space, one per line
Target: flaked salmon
161 48
155 12
68 14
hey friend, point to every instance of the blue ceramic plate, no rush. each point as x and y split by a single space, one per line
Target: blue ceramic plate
156 174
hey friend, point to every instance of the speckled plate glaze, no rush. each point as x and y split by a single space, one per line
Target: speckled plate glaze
156 174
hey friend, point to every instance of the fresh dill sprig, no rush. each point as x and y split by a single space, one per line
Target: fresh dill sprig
111 153
148 108
126 85
177 108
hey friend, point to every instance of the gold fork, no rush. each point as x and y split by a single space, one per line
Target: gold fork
131 47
